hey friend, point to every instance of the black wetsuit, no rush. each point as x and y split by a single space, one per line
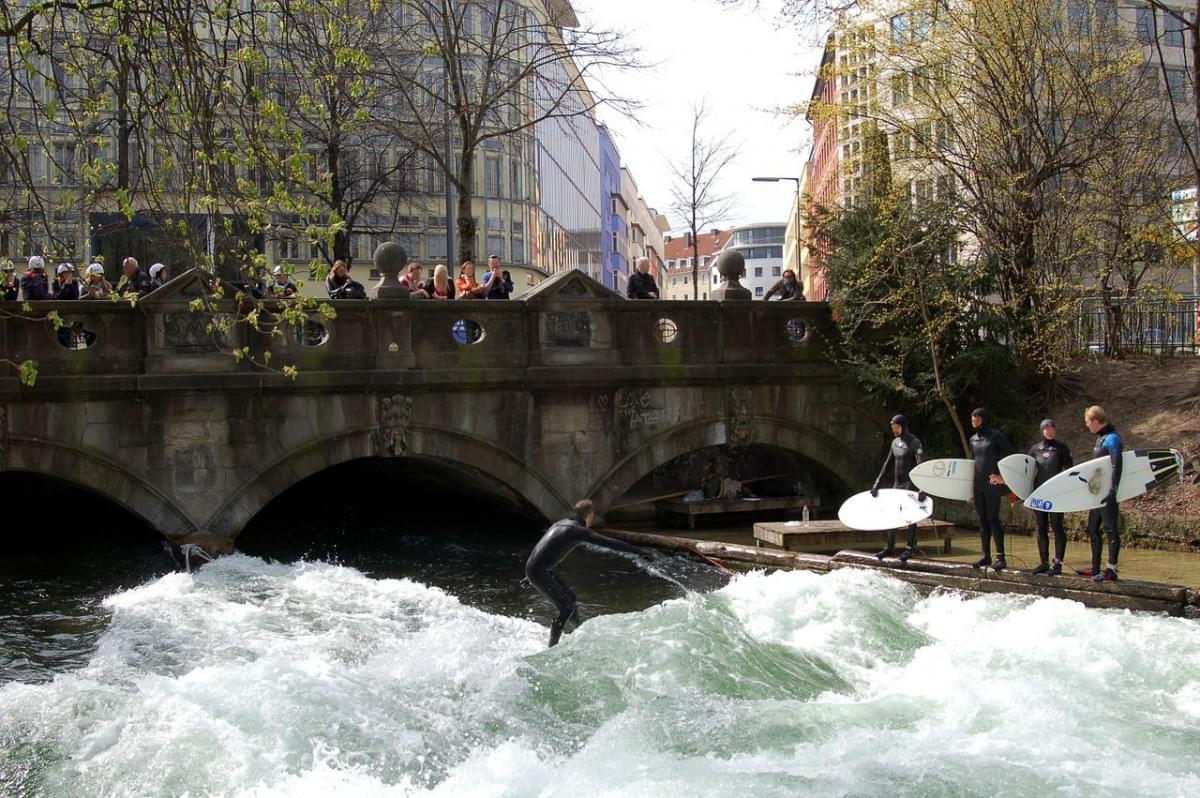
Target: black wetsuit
1108 443
989 446
905 453
1052 457
559 541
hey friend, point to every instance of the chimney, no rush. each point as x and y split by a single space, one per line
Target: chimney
666 238
716 231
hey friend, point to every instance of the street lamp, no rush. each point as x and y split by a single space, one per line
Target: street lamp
796 180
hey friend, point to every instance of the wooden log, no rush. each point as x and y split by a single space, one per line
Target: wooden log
1150 590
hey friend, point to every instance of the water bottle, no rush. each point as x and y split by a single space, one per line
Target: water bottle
804 514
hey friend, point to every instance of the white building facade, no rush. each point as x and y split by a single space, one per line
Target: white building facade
761 246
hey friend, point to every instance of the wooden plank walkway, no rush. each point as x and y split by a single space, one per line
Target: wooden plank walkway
928 575
758 504
827 535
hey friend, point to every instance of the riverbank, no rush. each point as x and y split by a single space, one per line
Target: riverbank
1151 402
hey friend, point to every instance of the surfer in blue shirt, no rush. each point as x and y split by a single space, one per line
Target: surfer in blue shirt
1052 457
905 453
559 541
1108 444
989 447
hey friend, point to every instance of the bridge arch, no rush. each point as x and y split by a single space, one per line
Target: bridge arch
813 444
525 483
95 472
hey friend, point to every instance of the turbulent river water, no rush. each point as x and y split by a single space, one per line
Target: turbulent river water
257 678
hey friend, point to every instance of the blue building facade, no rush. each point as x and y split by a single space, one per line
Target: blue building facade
614 226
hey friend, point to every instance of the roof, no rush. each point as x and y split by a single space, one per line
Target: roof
709 244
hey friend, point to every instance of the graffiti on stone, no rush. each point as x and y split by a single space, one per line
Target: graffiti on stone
637 410
395 424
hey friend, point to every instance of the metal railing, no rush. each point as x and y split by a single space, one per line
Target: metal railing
1144 326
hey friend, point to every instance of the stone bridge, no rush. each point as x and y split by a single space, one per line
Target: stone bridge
571 392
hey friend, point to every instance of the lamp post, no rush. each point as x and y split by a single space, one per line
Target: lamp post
796 180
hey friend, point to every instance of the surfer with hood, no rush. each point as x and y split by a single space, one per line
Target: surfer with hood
989 447
905 454
1108 444
560 540
1052 457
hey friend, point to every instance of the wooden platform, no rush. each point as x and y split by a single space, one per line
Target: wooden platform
928 575
760 504
834 535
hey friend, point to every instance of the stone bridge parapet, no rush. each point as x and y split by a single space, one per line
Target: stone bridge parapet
572 392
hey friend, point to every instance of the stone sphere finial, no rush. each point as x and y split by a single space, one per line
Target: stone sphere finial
389 259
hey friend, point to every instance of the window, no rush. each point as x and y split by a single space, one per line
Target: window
1172 31
758 290
775 271
716 279
491 176
1077 17
899 89
920 24
758 271
1177 84
900 29
1145 25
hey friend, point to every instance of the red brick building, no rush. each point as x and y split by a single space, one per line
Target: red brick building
676 279
822 170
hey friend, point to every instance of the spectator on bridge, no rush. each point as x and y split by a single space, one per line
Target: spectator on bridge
641 283
465 287
500 289
34 286
94 285
158 276
440 286
788 288
281 285
10 286
508 283
65 286
134 281
414 282
341 285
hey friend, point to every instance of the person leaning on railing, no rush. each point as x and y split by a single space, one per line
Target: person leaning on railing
641 282
94 285
10 287
466 287
788 288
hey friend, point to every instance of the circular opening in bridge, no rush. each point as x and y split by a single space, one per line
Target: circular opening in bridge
311 333
796 330
727 488
73 335
66 549
666 330
467 332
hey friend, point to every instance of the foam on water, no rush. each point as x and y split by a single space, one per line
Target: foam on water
256 679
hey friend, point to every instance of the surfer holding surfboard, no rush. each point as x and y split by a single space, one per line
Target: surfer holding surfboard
988 446
1052 457
1108 444
905 453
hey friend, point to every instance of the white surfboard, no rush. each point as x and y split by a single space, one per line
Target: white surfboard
949 478
1019 472
891 509
1085 486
